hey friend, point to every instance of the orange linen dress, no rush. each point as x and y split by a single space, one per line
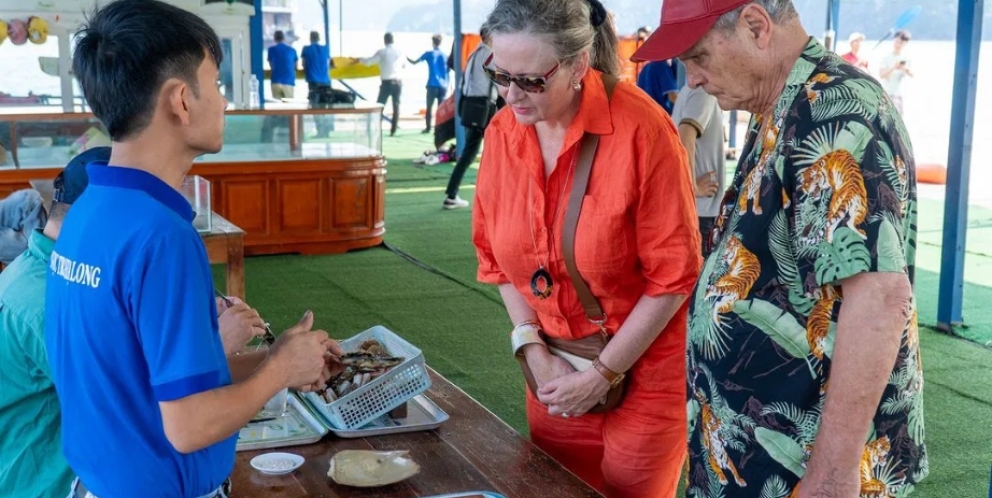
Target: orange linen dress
636 236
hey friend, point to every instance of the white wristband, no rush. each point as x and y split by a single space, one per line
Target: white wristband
524 335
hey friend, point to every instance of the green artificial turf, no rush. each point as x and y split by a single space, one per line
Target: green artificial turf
462 328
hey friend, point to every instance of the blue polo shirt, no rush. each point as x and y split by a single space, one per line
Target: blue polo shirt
282 60
437 67
315 63
658 79
130 321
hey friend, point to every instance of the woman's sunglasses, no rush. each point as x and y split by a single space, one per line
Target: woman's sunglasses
529 84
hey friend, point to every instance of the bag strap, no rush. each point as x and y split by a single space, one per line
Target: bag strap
583 168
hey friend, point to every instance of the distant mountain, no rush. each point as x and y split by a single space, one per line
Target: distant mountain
872 17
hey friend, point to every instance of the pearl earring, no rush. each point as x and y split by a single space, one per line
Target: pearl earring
576 86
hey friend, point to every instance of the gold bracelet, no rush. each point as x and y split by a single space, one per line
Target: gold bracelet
612 377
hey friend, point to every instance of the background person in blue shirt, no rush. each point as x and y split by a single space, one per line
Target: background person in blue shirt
658 79
151 405
282 60
437 77
316 63
316 69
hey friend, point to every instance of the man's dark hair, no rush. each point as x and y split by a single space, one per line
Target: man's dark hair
314 37
436 40
278 36
388 38
903 35
58 211
128 49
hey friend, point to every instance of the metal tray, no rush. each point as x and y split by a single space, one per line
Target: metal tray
422 415
297 427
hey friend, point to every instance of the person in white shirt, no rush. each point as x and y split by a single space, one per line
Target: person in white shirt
391 63
895 67
700 121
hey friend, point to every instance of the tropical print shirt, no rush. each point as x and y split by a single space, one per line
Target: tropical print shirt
825 190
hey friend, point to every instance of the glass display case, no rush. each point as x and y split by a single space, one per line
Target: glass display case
47 140
196 190
286 134
294 179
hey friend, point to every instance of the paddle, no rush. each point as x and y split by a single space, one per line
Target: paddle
907 17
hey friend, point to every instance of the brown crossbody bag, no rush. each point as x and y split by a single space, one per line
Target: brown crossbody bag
580 354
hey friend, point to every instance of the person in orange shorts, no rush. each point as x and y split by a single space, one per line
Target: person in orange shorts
636 243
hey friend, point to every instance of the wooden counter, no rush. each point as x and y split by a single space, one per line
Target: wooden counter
307 206
473 451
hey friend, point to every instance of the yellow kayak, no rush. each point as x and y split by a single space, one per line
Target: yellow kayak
345 68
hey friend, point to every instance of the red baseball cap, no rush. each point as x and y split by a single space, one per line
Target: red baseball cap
683 23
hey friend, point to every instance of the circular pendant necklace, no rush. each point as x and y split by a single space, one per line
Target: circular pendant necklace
541 283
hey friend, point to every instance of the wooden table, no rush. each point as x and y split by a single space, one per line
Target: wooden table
225 244
473 451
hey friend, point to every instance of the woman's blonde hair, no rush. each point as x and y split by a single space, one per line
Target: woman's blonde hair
569 26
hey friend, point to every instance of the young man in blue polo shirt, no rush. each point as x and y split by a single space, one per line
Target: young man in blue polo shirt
437 77
151 406
282 60
31 462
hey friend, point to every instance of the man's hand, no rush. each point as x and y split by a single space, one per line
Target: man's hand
830 485
332 367
202 419
706 185
238 325
299 355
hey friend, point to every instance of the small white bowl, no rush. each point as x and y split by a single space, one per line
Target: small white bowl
275 464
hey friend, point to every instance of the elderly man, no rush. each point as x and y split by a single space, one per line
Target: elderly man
804 375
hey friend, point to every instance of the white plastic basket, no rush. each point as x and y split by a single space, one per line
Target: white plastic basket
386 392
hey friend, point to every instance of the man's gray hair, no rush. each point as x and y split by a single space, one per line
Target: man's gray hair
779 10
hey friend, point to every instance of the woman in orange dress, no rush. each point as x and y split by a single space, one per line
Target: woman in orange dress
637 245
